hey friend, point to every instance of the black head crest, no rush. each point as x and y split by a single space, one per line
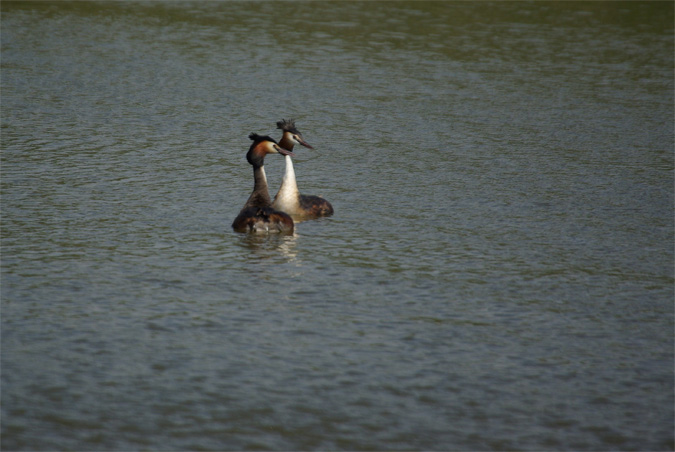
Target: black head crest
258 138
257 158
287 125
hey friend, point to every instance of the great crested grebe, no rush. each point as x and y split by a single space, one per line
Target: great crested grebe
258 215
289 199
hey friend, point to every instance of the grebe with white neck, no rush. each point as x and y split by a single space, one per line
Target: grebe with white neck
289 199
258 215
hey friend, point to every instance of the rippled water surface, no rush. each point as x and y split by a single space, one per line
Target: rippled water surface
498 273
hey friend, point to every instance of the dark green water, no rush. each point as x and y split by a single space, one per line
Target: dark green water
498 273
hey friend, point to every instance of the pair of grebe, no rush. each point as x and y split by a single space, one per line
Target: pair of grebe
260 213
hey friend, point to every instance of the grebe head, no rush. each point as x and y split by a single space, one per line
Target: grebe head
292 133
261 146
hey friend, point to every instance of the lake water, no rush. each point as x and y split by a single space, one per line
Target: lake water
498 273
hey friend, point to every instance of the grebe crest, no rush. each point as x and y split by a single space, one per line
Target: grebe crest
291 135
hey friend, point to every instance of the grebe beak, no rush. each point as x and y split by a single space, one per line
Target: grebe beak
283 151
304 143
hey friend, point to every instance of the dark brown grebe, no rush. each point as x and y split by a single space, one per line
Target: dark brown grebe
289 199
258 215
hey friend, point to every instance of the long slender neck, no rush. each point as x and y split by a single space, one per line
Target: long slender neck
289 174
288 192
260 196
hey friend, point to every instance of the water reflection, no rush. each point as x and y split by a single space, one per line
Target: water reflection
269 246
